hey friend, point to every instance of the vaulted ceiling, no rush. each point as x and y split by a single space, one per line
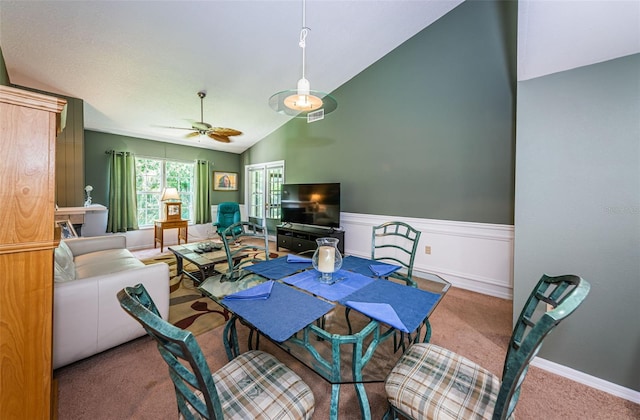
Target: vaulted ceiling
138 65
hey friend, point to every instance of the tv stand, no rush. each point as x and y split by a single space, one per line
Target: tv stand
299 238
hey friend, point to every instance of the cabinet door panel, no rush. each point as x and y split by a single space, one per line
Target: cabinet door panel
28 207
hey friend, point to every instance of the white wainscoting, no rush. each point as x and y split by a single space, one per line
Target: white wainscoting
472 256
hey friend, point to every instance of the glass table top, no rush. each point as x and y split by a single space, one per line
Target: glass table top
335 345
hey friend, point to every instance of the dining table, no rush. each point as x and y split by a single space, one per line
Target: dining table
352 331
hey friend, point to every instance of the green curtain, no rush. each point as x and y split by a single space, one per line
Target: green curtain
203 192
123 206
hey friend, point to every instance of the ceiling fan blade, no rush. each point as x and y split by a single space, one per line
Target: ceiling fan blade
226 131
217 137
191 135
175 128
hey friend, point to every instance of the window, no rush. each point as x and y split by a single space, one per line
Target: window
152 176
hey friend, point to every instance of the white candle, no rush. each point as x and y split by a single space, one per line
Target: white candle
326 259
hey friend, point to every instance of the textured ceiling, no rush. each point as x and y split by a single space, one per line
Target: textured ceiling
139 64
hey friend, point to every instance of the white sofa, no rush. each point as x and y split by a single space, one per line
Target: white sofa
87 317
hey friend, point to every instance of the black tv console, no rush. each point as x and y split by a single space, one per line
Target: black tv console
299 238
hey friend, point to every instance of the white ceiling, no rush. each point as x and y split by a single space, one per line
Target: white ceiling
139 64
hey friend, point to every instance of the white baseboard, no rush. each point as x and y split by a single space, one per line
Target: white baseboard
585 379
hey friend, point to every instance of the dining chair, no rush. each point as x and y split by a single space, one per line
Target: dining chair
228 214
254 385
396 243
431 382
241 239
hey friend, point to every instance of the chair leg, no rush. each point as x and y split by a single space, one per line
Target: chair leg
391 413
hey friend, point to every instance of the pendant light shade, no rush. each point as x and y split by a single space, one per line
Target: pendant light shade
302 101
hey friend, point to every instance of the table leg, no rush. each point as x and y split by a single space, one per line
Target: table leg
365 410
179 263
335 400
230 338
182 234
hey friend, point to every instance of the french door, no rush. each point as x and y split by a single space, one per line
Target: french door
264 186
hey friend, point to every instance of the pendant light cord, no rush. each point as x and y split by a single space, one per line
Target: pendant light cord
303 36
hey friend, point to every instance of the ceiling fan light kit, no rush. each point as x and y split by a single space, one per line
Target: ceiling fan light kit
303 102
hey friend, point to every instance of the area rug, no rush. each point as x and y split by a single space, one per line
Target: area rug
188 309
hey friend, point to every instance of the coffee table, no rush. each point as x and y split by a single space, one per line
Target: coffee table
204 261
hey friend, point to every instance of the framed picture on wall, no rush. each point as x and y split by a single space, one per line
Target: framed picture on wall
66 229
225 181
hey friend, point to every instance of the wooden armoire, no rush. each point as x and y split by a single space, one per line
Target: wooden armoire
28 126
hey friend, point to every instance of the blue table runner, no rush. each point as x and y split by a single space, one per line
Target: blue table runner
277 268
410 304
309 281
285 312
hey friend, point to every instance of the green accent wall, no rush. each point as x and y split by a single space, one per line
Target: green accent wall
428 131
96 161
577 210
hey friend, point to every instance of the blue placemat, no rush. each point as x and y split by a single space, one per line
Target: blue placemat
309 281
277 268
284 313
410 304
361 265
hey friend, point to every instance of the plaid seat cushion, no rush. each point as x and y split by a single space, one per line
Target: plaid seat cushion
430 382
256 385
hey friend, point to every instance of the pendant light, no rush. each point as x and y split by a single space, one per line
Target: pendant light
303 102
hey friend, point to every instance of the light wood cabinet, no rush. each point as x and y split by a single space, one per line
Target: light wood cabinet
28 126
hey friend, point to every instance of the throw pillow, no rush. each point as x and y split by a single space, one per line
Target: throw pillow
61 275
63 258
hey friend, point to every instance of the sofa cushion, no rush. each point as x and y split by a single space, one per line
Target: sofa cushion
64 267
108 261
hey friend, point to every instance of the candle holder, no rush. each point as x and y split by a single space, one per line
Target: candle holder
327 259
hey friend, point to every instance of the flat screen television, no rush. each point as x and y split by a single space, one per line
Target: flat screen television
311 204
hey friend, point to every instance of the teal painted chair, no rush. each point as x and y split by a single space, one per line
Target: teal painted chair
228 214
430 382
245 243
396 243
254 385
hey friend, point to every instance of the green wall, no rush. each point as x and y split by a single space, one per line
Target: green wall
577 210
427 131
96 160
4 76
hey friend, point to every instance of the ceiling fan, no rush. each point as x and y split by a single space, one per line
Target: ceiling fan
201 128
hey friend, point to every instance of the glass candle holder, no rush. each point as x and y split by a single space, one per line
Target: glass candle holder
327 259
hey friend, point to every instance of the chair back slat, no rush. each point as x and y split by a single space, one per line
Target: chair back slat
564 294
244 238
396 243
188 368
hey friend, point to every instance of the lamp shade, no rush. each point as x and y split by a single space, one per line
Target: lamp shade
170 194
